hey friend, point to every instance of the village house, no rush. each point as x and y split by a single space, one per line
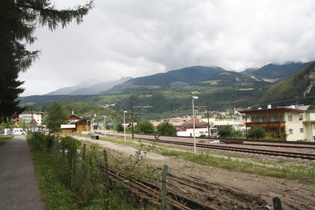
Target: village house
76 124
295 122
186 128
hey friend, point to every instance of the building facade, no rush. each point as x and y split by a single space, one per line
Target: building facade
295 122
76 124
27 117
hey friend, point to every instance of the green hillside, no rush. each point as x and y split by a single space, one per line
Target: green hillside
234 80
278 72
174 78
300 87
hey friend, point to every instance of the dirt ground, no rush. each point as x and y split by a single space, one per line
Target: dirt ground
224 189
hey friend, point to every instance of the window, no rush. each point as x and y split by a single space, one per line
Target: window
301 130
289 117
291 130
281 118
300 117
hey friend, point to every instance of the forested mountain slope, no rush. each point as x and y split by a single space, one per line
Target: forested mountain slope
297 88
174 78
278 72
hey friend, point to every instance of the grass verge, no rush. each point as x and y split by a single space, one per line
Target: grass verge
4 139
55 195
52 169
277 168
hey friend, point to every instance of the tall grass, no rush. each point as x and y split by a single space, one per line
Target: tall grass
64 183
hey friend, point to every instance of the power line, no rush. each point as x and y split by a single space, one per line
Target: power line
293 99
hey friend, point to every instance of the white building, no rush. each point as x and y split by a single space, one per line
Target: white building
27 117
297 122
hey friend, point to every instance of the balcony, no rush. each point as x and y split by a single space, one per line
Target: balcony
273 124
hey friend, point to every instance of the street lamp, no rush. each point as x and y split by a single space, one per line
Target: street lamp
125 125
194 133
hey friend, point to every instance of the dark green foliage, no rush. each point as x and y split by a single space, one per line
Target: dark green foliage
166 129
56 115
70 148
225 131
19 20
69 143
236 134
119 127
44 142
256 133
291 89
144 127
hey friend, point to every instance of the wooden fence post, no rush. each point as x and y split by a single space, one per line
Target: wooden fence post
106 179
163 199
84 163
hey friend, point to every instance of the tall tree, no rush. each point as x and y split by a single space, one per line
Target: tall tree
56 115
18 21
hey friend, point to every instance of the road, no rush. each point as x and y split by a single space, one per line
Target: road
19 188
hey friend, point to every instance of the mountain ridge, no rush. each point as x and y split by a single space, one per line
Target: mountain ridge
188 76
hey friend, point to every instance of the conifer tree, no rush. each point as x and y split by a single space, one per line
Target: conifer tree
18 22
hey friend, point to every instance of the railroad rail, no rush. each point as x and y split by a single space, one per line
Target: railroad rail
152 193
229 148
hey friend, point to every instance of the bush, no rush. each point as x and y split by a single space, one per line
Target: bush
43 142
256 133
225 131
166 129
144 127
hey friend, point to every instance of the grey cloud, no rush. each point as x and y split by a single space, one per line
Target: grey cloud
139 37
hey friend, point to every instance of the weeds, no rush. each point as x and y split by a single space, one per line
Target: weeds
63 180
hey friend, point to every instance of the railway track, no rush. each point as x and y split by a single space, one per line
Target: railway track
152 192
230 148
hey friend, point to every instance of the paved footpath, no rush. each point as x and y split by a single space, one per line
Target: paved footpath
19 187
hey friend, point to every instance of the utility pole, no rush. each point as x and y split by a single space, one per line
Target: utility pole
131 111
208 118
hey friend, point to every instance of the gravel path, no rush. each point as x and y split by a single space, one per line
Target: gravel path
19 187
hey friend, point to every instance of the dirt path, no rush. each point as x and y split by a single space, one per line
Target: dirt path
223 188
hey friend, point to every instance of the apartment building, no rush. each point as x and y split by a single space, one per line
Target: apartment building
297 122
27 117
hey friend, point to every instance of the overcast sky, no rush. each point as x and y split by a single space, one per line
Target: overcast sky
133 38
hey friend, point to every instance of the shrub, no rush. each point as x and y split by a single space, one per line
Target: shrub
225 131
256 133
166 129
144 127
